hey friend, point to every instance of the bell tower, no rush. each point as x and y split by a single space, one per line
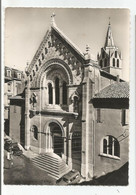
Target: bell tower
110 59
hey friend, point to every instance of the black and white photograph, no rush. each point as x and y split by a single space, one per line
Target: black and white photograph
66 96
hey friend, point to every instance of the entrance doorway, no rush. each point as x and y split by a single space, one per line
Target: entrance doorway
57 139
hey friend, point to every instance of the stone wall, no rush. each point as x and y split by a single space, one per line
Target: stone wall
111 124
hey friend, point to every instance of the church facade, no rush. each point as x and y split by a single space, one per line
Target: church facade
76 107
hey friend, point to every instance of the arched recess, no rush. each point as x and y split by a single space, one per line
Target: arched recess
34 131
58 123
52 65
54 137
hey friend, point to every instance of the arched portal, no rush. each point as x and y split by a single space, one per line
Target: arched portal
54 138
57 139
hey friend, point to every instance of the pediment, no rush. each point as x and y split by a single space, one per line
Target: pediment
55 45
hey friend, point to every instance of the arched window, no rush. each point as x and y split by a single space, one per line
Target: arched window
35 132
117 62
110 146
76 106
104 146
113 62
64 95
116 148
57 91
50 94
115 54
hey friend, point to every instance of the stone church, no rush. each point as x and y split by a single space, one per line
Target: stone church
74 106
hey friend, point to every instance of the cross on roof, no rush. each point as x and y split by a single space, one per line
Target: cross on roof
53 18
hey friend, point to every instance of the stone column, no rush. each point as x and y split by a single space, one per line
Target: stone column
45 142
64 156
61 94
85 100
46 139
53 90
87 165
69 139
27 119
47 135
51 142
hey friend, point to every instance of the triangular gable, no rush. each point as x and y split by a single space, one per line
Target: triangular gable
55 31
38 52
68 41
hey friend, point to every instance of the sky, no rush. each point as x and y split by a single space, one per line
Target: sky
26 27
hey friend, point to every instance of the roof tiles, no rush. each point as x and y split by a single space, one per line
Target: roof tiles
116 90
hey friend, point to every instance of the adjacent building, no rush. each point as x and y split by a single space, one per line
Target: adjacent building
13 85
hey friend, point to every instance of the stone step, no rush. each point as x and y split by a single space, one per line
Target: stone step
45 164
46 160
46 167
50 173
49 156
53 155
52 164
48 164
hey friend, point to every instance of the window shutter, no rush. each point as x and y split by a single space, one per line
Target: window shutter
98 115
125 117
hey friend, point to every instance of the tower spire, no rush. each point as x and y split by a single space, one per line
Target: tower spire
109 20
109 38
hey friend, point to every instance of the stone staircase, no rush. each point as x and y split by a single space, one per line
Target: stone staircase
52 164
